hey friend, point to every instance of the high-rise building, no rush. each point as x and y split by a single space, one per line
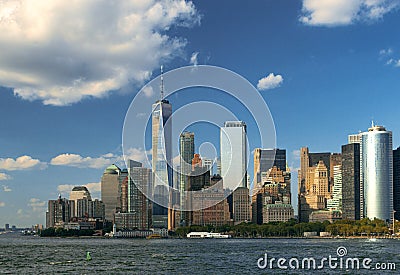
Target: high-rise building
351 181
59 211
208 164
264 159
124 195
275 189
234 154
241 205
355 138
335 203
396 183
87 208
139 206
161 158
377 173
110 191
78 193
186 151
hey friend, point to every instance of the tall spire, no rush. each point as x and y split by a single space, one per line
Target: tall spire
162 83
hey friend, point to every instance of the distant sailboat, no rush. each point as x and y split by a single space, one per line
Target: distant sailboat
88 257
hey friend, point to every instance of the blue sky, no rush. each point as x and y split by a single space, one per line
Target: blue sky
68 73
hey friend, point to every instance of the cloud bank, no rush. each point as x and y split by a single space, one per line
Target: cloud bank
344 12
60 51
269 82
21 163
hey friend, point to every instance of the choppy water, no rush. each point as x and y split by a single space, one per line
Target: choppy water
35 255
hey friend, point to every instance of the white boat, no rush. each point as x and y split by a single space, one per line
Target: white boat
208 235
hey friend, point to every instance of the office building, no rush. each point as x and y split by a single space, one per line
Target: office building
264 159
275 189
396 183
161 158
277 212
377 173
335 203
351 181
59 211
78 193
186 151
110 191
139 206
241 205
315 181
234 154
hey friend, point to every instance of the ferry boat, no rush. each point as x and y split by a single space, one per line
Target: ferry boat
207 235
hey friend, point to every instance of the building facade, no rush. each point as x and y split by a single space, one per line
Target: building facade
234 154
110 191
139 206
351 181
161 159
377 173
264 159
277 213
241 205
59 211
396 183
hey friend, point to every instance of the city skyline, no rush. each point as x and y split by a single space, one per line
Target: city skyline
319 77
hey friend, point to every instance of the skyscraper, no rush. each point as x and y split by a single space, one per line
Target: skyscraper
351 181
264 159
77 193
161 158
110 191
59 211
377 173
234 154
335 203
396 183
139 206
186 151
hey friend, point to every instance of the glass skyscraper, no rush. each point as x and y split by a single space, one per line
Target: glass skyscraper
376 173
234 154
396 182
161 161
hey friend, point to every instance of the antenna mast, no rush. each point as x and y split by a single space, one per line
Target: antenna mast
162 84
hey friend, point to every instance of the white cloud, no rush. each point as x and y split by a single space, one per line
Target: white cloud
60 51
21 163
75 160
193 58
37 205
4 176
386 52
2 204
394 62
269 82
138 154
148 91
6 188
344 12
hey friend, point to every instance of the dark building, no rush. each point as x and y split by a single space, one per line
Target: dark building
314 158
264 159
351 181
396 183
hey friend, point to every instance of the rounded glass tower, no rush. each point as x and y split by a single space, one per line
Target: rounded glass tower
377 173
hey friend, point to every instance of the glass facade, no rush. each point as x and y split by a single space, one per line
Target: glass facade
377 173
396 182
161 156
234 154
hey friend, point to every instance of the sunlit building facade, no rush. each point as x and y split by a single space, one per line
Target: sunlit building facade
377 173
